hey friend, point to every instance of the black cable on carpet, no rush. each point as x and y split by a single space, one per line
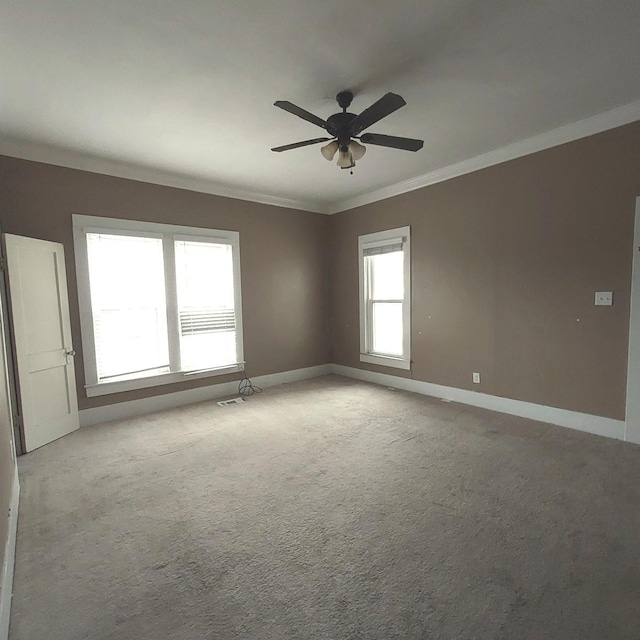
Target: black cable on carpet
246 388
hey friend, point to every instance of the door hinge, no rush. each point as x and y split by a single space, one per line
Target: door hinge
3 264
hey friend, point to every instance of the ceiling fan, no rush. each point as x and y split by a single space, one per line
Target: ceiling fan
345 129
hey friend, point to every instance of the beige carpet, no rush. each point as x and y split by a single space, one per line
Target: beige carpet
329 509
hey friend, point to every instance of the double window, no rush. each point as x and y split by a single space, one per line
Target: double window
385 298
158 302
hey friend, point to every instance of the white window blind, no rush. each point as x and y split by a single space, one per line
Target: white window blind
385 248
128 305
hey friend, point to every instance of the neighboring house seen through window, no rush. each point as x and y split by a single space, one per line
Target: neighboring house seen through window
385 298
158 302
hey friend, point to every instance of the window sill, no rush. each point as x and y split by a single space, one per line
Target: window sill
386 361
105 388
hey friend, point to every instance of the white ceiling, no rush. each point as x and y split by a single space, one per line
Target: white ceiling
157 88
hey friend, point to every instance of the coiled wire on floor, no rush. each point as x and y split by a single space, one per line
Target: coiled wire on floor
246 388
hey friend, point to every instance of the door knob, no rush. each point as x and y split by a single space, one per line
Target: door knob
70 353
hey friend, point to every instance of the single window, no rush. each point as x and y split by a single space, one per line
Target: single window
128 304
206 306
158 302
385 298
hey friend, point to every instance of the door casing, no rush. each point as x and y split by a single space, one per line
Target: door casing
632 418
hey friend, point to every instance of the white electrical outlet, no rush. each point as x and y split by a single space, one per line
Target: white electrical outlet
604 298
476 378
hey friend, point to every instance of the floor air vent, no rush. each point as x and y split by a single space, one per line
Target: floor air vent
226 403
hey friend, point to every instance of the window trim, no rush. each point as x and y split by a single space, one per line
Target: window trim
381 239
83 224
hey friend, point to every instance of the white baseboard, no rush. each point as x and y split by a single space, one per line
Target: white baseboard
6 586
572 419
133 408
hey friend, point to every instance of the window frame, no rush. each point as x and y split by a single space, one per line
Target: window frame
83 224
380 239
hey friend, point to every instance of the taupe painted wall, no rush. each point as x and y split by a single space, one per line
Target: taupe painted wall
505 264
283 256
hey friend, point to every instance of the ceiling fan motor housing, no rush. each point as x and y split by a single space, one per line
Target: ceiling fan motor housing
339 126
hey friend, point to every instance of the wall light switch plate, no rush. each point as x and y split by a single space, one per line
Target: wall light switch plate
604 298
476 378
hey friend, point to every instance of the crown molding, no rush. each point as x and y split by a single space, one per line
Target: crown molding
47 154
568 133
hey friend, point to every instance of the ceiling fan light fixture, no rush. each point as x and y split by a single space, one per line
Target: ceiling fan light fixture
329 150
357 150
345 159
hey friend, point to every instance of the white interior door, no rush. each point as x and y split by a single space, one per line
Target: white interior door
632 431
42 332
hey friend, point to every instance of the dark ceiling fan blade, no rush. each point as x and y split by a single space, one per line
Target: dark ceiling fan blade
295 145
389 103
301 113
406 144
